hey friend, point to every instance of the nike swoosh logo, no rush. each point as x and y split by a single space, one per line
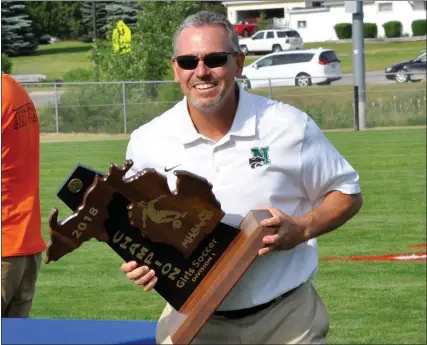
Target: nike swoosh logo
169 169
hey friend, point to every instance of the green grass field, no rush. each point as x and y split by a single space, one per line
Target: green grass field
368 302
56 59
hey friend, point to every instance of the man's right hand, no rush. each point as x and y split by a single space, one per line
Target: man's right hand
141 275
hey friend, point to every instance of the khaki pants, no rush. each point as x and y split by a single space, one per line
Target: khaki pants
18 281
300 318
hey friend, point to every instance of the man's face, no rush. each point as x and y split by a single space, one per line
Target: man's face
207 88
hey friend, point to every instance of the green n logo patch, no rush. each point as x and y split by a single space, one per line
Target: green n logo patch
260 157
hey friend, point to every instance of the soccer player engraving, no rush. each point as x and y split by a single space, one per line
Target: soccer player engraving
197 258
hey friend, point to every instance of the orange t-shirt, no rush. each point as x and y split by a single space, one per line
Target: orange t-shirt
20 150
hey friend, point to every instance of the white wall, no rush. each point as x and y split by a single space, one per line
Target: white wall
320 23
233 8
402 11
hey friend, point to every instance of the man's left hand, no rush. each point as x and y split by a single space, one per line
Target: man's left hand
289 233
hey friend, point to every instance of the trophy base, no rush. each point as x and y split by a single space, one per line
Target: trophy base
184 324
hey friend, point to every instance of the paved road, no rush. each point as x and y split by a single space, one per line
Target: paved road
375 77
41 98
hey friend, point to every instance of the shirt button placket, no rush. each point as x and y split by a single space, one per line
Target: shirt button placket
215 164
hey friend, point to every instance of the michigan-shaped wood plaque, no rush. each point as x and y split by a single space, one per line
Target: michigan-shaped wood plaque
197 259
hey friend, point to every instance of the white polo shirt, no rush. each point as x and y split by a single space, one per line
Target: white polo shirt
293 167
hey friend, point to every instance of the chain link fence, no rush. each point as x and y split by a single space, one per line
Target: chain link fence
121 107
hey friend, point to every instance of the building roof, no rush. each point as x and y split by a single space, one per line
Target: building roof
304 3
240 2
340 2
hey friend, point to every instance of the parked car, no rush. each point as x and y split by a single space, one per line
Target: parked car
293 68
271 40
246 27
404 71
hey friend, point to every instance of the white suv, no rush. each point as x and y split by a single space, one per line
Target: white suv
271 40
293 68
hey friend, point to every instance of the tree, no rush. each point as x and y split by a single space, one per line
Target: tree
60 19
146 56
17 37
9 36
124 10
263 21
151 44
101 17
40 14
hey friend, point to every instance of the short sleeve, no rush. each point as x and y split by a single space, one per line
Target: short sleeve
131 154
323 168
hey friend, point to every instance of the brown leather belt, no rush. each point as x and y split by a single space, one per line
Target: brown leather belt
241 313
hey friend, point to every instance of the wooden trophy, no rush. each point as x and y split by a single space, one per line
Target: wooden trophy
197 259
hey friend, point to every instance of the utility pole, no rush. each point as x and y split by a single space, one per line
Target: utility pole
360 109
94 20
94 40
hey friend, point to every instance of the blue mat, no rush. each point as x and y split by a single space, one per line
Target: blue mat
60 331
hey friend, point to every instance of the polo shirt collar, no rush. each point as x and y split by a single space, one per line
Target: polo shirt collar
244 124
186 130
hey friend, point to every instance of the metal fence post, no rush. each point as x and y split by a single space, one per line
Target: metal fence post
356 107
56 108
269 89
124 108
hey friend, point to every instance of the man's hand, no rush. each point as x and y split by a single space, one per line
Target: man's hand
335 210
141 275
289 233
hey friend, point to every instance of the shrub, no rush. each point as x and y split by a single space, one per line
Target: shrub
419 27
86 39
44 39
332 108
370 30
343 30
91 109
392 29
263 22
80 74
100 108
6 64
141 108
47 121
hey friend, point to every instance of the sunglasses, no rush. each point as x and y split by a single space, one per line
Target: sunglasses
212 60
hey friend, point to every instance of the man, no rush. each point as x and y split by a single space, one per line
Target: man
22 243
217 132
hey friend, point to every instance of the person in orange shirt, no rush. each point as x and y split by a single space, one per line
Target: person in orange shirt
22 243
